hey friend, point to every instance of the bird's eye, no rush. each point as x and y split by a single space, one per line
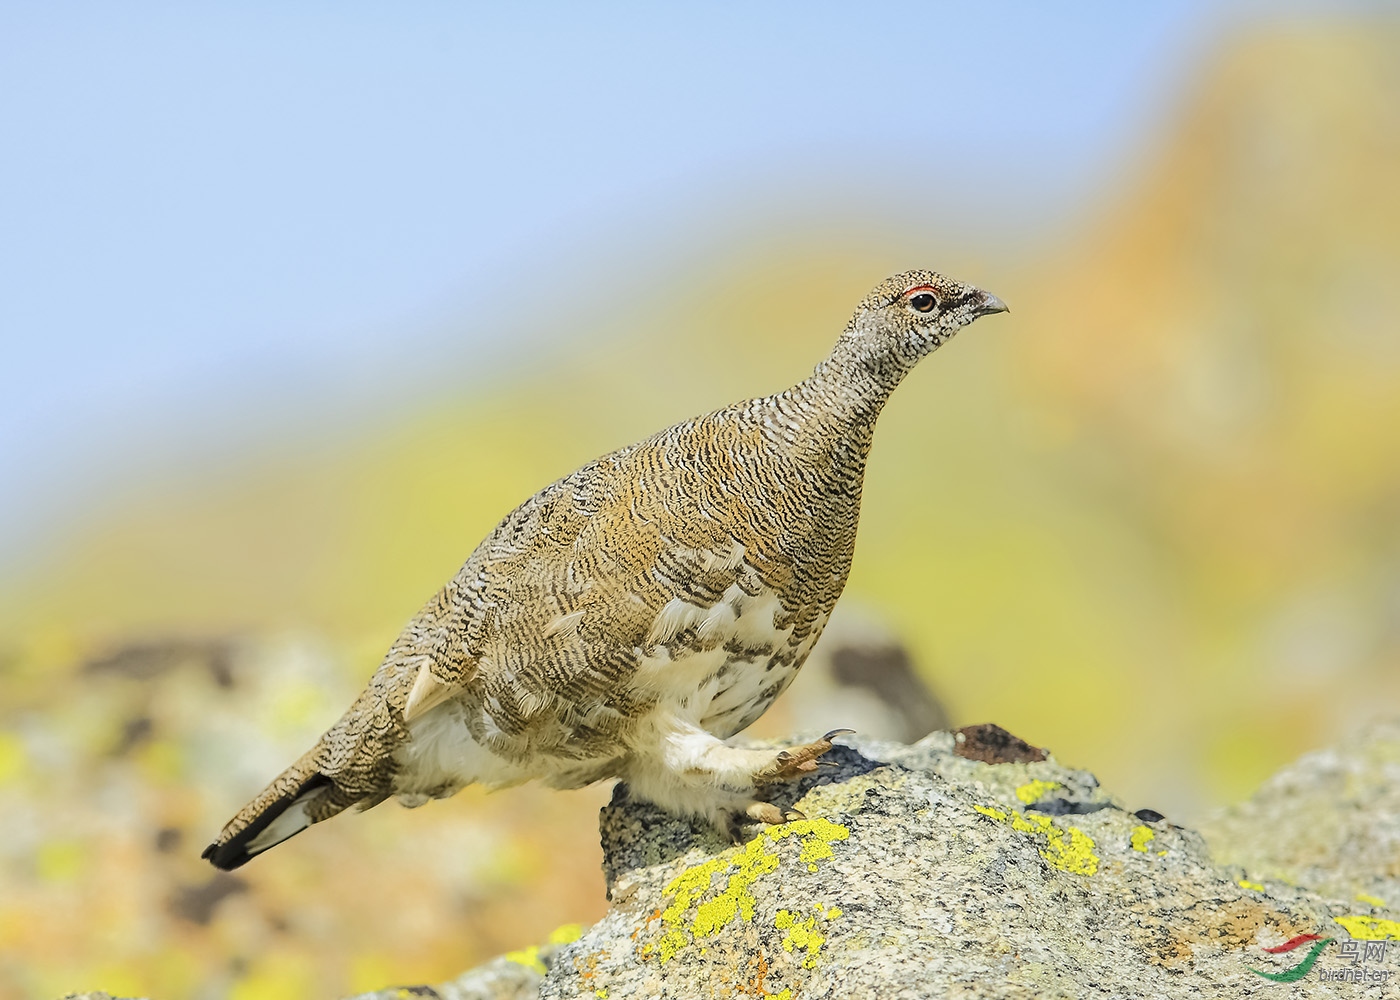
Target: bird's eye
924 302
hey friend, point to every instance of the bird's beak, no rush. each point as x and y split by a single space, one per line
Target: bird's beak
991 304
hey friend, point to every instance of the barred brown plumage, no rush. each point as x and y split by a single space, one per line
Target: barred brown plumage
626 620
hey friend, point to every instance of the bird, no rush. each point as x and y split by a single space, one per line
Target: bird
630 618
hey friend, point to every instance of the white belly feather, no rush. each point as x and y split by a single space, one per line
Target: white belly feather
715 689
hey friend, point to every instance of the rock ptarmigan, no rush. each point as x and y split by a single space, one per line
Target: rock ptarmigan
626 620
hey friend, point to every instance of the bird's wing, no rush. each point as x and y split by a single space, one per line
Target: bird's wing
578 589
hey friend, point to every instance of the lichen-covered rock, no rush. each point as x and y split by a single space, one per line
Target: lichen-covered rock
1329 821
921 872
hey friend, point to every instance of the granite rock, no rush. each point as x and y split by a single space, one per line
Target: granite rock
919 871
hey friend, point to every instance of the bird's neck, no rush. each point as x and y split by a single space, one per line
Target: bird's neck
828 419
852 388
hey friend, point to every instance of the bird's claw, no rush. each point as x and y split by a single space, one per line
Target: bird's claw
798 761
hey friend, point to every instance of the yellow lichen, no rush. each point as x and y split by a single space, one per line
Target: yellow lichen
1142 836
1035 790
1362 897
566 934
803 934
278 976
1070 850
1371 928
528 957
161 761
743 866
12 757
671 942
1073 852
61 860
1246 884
817 836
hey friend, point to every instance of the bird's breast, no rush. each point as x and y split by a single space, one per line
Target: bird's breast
721 666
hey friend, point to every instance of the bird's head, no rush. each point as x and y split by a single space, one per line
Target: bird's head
906 317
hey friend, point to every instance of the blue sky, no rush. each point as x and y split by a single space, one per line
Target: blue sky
217 218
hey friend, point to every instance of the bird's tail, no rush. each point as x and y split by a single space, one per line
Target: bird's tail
299 796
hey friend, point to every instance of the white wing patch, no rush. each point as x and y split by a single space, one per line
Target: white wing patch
564 625
675 618
427 693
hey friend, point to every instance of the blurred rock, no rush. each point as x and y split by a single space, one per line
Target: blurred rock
197 903
117 765
919 872
862 676
149 658
1330 821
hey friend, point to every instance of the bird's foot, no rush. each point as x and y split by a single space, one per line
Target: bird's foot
758 812
797 761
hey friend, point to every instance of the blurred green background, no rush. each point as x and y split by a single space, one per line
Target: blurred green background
1151 519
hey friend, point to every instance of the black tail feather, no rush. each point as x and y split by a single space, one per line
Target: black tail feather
234 853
